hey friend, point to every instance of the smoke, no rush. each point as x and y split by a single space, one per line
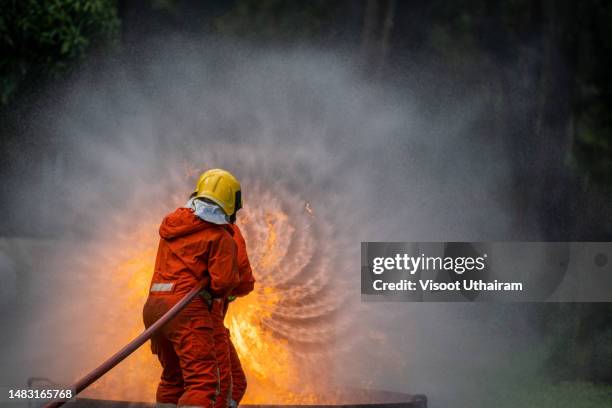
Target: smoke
341 158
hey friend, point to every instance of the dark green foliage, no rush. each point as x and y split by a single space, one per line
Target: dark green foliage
40 39
278 19
593 104
581 340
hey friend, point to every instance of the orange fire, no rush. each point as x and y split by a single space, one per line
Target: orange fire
277 370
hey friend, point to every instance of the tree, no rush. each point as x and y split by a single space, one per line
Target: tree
40 39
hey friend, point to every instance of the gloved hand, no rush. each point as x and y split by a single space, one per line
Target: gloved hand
204 294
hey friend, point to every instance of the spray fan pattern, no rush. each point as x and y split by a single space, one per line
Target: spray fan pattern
326 160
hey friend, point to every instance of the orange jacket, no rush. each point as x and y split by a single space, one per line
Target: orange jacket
232 381
190 250
247 280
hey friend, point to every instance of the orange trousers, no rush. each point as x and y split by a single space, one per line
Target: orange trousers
239 381
186 350
232 381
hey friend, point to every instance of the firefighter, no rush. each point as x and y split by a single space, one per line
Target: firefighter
195 245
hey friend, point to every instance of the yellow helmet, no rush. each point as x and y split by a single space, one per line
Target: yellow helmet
222 188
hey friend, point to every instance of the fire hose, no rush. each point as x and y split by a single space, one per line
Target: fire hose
129 348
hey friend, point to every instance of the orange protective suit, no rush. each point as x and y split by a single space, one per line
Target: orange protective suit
190 250
239 382
232 380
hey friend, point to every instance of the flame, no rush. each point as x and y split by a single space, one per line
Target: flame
271 328
273 372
